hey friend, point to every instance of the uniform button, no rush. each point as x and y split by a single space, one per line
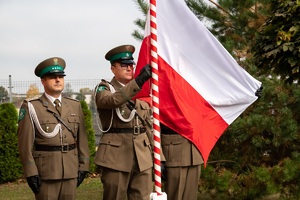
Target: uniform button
65 136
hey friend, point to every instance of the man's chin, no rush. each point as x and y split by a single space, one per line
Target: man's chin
58 91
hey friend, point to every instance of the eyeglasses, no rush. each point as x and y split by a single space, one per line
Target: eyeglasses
125 66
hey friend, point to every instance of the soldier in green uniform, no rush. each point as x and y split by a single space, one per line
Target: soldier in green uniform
52 139
182 165
124 153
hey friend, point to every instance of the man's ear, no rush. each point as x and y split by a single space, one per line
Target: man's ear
113 68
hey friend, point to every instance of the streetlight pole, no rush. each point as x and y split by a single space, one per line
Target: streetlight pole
10 90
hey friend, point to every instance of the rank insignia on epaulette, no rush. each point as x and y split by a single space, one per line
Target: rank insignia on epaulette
22 113
101 88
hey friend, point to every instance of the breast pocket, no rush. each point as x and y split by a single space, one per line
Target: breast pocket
172 147
74 123
143 109
48 124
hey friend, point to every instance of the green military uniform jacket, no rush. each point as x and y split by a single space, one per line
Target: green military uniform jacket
53 165
118 151
179 151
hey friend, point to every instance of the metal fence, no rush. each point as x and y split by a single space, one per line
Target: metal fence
17 90
21 87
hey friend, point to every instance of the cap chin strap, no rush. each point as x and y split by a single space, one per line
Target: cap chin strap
34 118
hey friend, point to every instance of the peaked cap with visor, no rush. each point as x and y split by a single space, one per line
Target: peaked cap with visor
122 54
51 66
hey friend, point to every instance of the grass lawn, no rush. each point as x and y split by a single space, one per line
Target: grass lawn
91 188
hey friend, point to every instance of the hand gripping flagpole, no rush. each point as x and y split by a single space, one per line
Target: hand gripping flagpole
159 195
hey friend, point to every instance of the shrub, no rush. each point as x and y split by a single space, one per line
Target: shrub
90 133
10 165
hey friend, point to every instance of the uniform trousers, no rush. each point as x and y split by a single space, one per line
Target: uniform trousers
182 182
117 184
64 189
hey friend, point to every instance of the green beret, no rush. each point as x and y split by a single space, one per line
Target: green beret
121 54
51 66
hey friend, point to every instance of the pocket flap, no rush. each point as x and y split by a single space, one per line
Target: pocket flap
110 141
172 140
73 119
48 120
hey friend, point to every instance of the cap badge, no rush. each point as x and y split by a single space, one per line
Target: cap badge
127 48
55 60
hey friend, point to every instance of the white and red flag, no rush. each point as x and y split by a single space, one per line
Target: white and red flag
202 89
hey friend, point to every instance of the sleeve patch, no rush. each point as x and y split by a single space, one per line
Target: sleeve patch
101 88
22 113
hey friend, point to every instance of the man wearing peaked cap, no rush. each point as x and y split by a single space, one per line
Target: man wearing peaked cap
121 53
52 138
53 66
127 166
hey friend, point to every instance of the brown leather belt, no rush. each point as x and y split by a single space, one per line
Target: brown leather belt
62 148
135 130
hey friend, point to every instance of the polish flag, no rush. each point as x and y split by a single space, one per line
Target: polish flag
202 89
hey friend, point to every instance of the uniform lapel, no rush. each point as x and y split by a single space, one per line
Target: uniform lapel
65 108
47 104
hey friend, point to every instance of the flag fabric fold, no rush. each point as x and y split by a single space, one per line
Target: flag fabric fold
202 89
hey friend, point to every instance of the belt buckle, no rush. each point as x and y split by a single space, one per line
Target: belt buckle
63 148
136 130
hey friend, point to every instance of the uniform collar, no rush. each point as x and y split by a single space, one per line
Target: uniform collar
52 99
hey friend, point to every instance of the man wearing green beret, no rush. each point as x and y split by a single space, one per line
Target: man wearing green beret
52 138
124 153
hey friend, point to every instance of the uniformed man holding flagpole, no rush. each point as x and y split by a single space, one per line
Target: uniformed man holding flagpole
125 152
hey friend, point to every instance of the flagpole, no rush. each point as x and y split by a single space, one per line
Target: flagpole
155 97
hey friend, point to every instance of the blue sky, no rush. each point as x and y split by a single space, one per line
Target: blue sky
80 31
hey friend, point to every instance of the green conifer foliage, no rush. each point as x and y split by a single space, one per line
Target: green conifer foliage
260 149
10 166
90 133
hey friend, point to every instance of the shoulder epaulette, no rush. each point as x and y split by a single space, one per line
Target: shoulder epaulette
103 80
32 99
72 99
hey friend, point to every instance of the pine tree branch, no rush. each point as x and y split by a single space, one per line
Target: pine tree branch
220 7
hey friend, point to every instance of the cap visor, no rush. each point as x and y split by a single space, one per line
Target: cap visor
127 62
55 74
